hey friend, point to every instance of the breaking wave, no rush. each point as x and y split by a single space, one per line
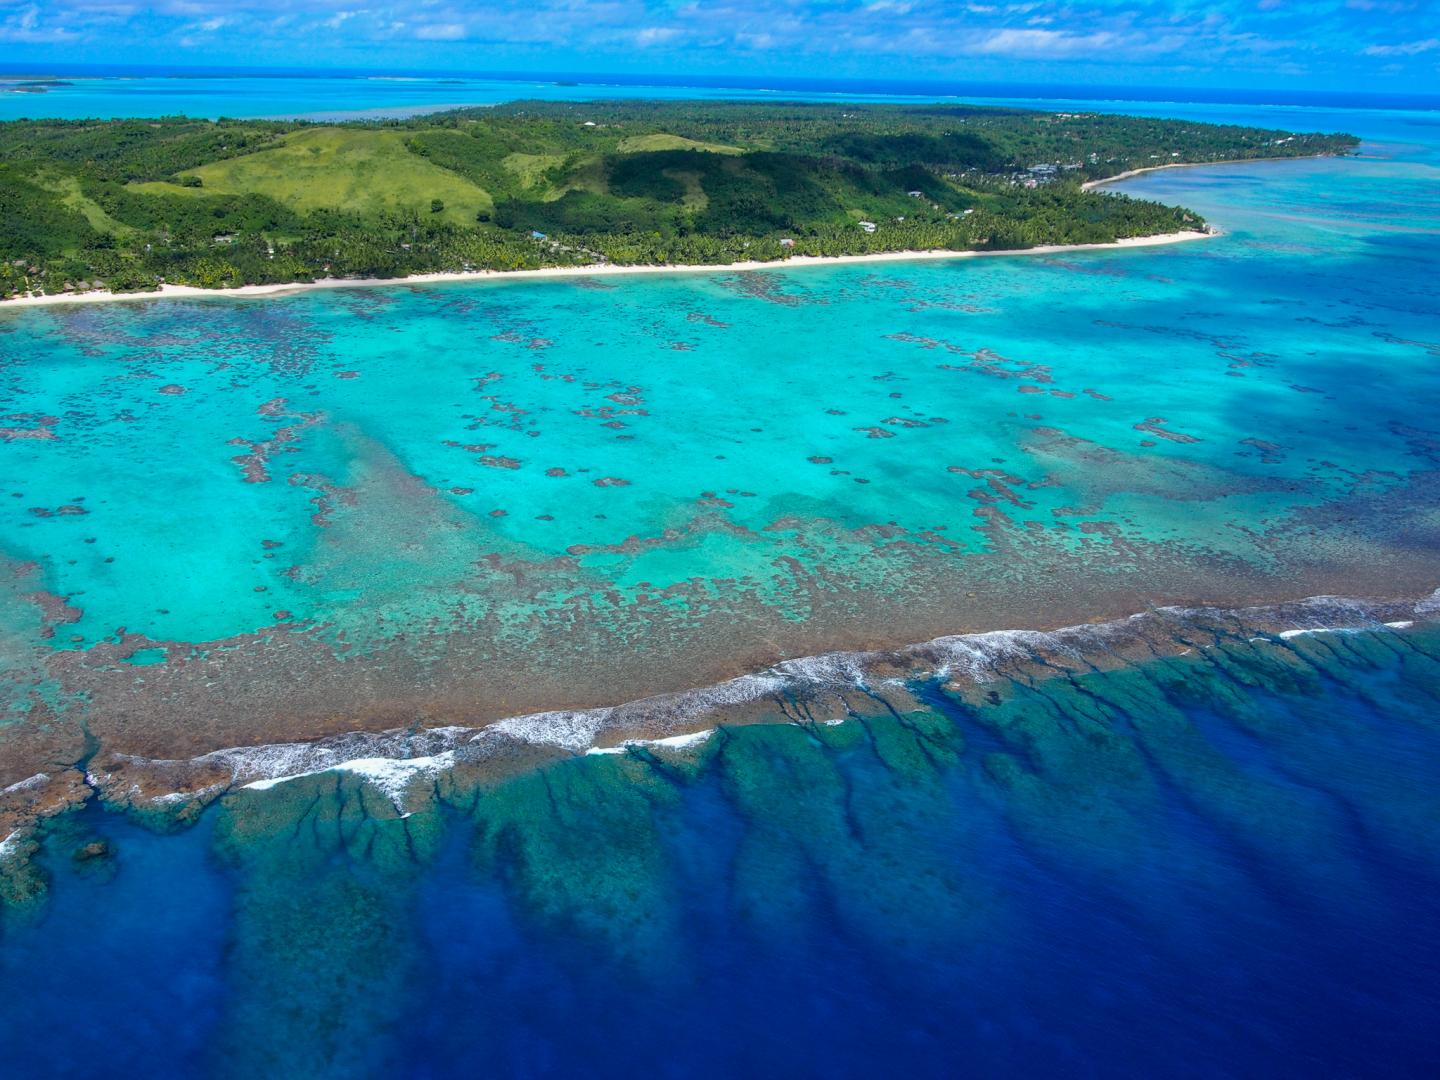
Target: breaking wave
813 689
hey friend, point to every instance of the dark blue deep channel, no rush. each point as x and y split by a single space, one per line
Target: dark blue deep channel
1225 868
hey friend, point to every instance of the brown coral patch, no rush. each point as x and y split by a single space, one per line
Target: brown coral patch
1155 426
27 426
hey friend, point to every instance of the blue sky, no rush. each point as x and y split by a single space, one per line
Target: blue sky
1391 45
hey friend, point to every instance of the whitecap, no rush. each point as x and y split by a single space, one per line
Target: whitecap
10 845
393 760
671 742
28 782
393 776
569 730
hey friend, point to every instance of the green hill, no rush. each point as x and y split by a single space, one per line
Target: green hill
131 203
359 170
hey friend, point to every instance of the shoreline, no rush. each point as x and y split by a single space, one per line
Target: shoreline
1091 185
191 292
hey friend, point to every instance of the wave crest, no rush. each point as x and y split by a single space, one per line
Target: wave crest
825 685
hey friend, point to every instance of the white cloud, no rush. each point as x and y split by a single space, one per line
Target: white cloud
1038 43
757 41
1237 36
441 32
25 28
655 35
1406 48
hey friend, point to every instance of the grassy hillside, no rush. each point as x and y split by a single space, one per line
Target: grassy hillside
359 170
69 190
663 141
129 203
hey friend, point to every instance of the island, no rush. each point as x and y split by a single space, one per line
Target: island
126 206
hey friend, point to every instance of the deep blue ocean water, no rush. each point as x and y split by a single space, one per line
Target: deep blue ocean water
1145 873
1220 865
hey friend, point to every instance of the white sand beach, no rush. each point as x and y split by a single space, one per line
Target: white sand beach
166 292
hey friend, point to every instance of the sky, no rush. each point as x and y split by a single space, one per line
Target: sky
1380 45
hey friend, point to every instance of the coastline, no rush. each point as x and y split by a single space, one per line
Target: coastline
190 292
1091 185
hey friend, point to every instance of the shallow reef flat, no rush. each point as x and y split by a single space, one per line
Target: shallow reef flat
1134 843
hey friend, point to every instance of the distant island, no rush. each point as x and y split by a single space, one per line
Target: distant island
33 86
130 205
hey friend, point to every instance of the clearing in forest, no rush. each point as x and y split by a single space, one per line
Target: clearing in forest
362 171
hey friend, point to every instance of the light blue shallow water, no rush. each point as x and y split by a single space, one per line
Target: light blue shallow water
324 96
122 93
226 521
321 97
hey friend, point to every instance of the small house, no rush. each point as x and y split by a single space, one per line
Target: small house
867 226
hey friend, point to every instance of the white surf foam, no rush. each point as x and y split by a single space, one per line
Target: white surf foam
173 797
393 776
10 846
826 669
1399 624
28 782
979 656
393 760
672 742
570 730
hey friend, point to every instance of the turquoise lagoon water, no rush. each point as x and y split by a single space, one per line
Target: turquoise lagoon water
113 92
112 96
229 522
120 92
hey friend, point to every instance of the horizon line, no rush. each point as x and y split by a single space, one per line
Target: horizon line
1050 88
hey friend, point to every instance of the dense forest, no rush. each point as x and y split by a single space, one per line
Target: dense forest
129 204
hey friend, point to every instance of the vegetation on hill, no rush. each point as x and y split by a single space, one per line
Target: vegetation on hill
128 204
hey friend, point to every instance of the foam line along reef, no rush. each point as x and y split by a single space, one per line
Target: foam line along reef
812 690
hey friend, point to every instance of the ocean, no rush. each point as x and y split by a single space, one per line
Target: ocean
104 92
1192 835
